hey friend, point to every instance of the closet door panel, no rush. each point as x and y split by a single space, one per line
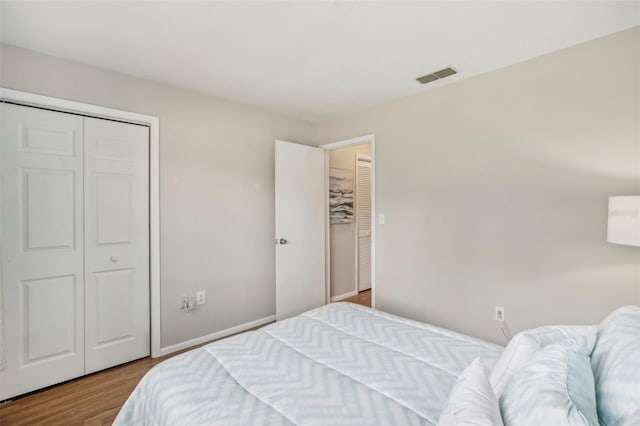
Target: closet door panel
363 219
116 243
42 248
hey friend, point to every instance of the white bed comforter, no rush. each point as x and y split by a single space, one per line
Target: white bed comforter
338 364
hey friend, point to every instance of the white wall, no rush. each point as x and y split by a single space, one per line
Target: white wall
343 235
216 186
495 191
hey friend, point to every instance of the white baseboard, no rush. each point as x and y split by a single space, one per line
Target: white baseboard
217 335
343 296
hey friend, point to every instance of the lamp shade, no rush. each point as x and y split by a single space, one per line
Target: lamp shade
624 220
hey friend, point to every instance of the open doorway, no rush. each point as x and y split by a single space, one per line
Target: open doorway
350 230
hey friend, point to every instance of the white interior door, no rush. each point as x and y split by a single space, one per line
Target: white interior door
116 243
300 228
363 219
42 248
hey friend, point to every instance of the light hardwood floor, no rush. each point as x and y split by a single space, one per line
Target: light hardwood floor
362 298
94 399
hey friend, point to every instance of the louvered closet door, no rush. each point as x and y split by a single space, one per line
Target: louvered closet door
42 248
363 212
116 243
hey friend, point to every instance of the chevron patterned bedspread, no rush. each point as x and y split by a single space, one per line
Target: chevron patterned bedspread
338 364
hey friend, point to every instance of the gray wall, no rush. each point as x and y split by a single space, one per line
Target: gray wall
495 191
216 186
343 235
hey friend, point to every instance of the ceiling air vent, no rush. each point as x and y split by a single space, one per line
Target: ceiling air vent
436 75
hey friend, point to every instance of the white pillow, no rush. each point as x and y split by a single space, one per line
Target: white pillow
616 366
525 344
471 401
556 387
519 350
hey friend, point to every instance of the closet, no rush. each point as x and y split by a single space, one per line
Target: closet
74 227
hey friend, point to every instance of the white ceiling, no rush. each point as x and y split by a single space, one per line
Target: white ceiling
313 60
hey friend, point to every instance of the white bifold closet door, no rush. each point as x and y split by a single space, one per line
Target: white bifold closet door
42 248
116 200
363 219
75 244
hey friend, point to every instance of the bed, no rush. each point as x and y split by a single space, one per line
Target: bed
348 364
338 364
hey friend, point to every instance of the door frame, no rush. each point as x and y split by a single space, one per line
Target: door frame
371 140
153 122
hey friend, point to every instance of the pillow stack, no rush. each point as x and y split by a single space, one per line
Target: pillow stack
556 375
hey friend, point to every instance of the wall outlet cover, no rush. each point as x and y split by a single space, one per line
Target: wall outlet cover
201 297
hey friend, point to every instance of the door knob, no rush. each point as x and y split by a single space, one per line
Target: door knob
283 241
114 259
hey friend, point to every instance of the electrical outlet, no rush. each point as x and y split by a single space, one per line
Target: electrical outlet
201 297
499 313
381 219
186 303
